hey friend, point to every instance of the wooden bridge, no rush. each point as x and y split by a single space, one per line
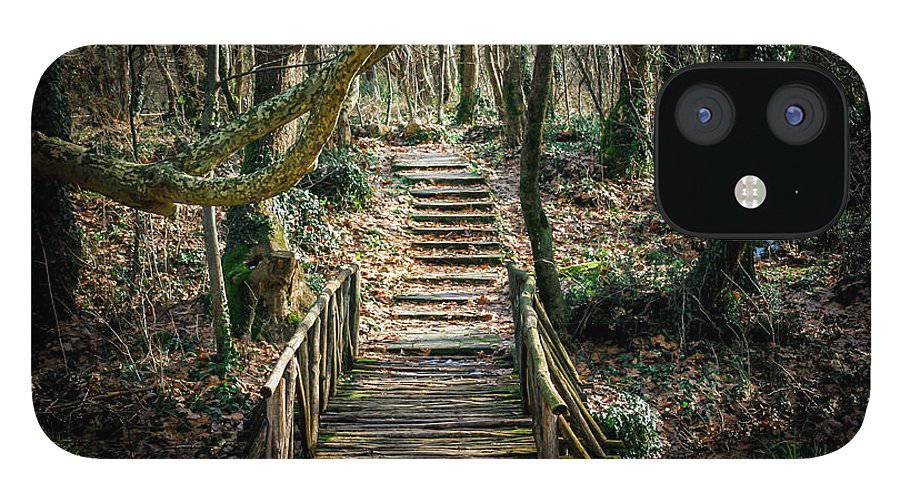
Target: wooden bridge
446 383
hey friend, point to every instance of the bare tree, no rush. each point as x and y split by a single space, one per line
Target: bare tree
218 301
540 233
468 71
514 95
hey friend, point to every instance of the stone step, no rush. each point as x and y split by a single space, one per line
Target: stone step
460 278
485 259
486 245
451 231
447 297
453 218
453 206
465 193
462 178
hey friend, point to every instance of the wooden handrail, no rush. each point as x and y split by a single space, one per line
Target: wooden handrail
305 376
551 386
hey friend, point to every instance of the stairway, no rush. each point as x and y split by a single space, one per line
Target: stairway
443 385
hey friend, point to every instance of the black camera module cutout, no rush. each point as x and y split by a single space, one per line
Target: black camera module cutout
751 151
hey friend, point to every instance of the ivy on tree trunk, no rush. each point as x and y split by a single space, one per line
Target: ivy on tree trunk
540 233
56 249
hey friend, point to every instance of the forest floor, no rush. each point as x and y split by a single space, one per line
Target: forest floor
127 377
132 377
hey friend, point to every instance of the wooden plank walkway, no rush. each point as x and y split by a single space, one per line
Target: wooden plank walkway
443 384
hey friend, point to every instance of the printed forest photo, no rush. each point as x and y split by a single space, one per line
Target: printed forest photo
419 251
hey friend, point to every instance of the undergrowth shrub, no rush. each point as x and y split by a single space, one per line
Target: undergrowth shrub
762 316
304 216
342 179
632 420
851 238
416 133
606 296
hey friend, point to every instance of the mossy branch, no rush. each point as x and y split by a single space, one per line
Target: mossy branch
158 187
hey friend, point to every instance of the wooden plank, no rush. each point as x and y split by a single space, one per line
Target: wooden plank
454 205
443 316
482 259
433 165
462 278
450 192
452 231
450 245
447 297
454 218
444 178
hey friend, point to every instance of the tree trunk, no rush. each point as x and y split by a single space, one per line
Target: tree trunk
540 233
439 97
426 86
162 64
493 76
468 73
670 61
135 56
221 323
343 133
724 266
626 146
390 94
257 242
56 250
565 85
452 74
515 98
588 81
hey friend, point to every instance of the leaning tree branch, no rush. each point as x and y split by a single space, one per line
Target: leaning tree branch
159 187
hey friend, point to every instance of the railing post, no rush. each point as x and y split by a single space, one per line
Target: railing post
306 374
354 314
303 391
315 370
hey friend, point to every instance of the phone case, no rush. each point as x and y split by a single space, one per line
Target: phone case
419 251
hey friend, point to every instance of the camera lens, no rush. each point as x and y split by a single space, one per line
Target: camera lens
704 115
794 115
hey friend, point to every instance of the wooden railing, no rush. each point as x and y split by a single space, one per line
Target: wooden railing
552 390
324 343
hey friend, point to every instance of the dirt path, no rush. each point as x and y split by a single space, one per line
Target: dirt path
439 381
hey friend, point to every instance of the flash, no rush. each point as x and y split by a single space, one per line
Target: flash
750 192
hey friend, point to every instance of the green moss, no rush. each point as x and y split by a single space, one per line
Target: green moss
236 271
293 318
